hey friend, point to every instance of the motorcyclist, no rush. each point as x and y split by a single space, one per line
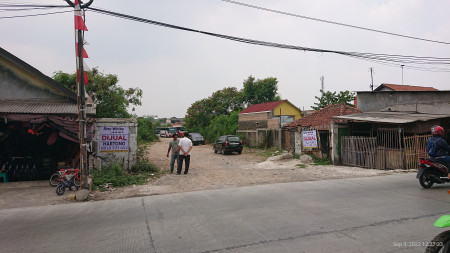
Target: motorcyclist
438 147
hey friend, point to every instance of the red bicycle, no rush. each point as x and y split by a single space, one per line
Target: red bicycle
58 176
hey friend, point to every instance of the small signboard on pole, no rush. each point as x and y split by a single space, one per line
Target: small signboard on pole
114 139
310 139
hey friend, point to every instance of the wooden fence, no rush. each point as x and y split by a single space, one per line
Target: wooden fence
384 151
415 147
358 151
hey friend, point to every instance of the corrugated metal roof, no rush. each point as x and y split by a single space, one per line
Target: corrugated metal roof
41 107
63 90
392 117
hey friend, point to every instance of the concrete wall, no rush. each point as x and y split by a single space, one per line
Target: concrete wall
273 123
421 101
263 138
249 121
124 158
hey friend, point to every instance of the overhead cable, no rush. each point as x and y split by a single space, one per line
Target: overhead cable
334 22
33 15
413 61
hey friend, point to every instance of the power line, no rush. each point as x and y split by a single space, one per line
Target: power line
438 64
34 15
334 23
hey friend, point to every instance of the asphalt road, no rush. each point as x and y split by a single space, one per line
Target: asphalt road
376 214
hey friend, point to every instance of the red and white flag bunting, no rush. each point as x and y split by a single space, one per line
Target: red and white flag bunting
80 25
85 55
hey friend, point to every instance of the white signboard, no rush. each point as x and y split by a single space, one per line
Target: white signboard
310 139
114 139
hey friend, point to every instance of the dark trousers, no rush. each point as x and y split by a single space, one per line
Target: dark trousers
187 160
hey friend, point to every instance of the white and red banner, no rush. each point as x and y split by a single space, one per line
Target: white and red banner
310 139
114 139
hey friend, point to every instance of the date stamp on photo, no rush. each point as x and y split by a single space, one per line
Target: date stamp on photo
417 244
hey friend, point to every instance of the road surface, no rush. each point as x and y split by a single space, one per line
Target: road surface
375 214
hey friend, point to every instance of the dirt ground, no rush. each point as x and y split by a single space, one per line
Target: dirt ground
207 171
215 171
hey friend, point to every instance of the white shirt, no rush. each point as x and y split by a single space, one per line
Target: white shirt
185 144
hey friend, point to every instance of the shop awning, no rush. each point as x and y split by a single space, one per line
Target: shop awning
41 106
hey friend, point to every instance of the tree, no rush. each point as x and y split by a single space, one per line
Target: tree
111 99
200 114
330 98
218 114
146 130
260 91
222 125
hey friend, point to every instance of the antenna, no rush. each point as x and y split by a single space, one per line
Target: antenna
402 72
371 77
322 83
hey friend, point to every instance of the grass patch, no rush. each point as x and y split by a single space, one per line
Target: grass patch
301 165
117 176
320 161
296 156
265 152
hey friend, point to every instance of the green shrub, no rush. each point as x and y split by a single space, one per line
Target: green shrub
115 175
146 130
320 161
144 166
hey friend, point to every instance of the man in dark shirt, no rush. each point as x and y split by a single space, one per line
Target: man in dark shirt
438 147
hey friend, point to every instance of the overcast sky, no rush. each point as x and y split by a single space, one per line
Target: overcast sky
176 68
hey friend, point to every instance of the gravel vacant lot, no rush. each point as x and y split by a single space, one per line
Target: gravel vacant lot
216 171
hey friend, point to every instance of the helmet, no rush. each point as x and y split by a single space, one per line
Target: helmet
437 130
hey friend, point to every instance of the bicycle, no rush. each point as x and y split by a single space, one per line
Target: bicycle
67 181
57 177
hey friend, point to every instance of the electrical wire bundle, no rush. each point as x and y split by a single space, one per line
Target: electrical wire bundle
435 64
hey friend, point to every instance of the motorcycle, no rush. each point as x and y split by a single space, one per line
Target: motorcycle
442 240
431 171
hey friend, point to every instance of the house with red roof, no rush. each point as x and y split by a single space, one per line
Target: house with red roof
318 127
256 121
398 87
271 115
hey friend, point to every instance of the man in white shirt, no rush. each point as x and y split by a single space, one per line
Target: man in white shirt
184 147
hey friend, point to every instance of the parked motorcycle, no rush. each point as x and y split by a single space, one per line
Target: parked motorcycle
432 171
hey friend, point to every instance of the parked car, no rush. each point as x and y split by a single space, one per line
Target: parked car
172 132
164 133
196 139
227 144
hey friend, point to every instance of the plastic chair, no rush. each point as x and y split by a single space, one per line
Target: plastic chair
3 175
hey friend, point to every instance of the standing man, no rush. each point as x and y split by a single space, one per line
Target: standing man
173 145
185 147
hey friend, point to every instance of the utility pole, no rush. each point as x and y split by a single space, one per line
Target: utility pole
322 82
81 99
371 77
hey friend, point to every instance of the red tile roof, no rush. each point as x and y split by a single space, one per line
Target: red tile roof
264 107
323 117
398 87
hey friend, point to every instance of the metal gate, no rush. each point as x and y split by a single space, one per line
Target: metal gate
358 151
415 147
